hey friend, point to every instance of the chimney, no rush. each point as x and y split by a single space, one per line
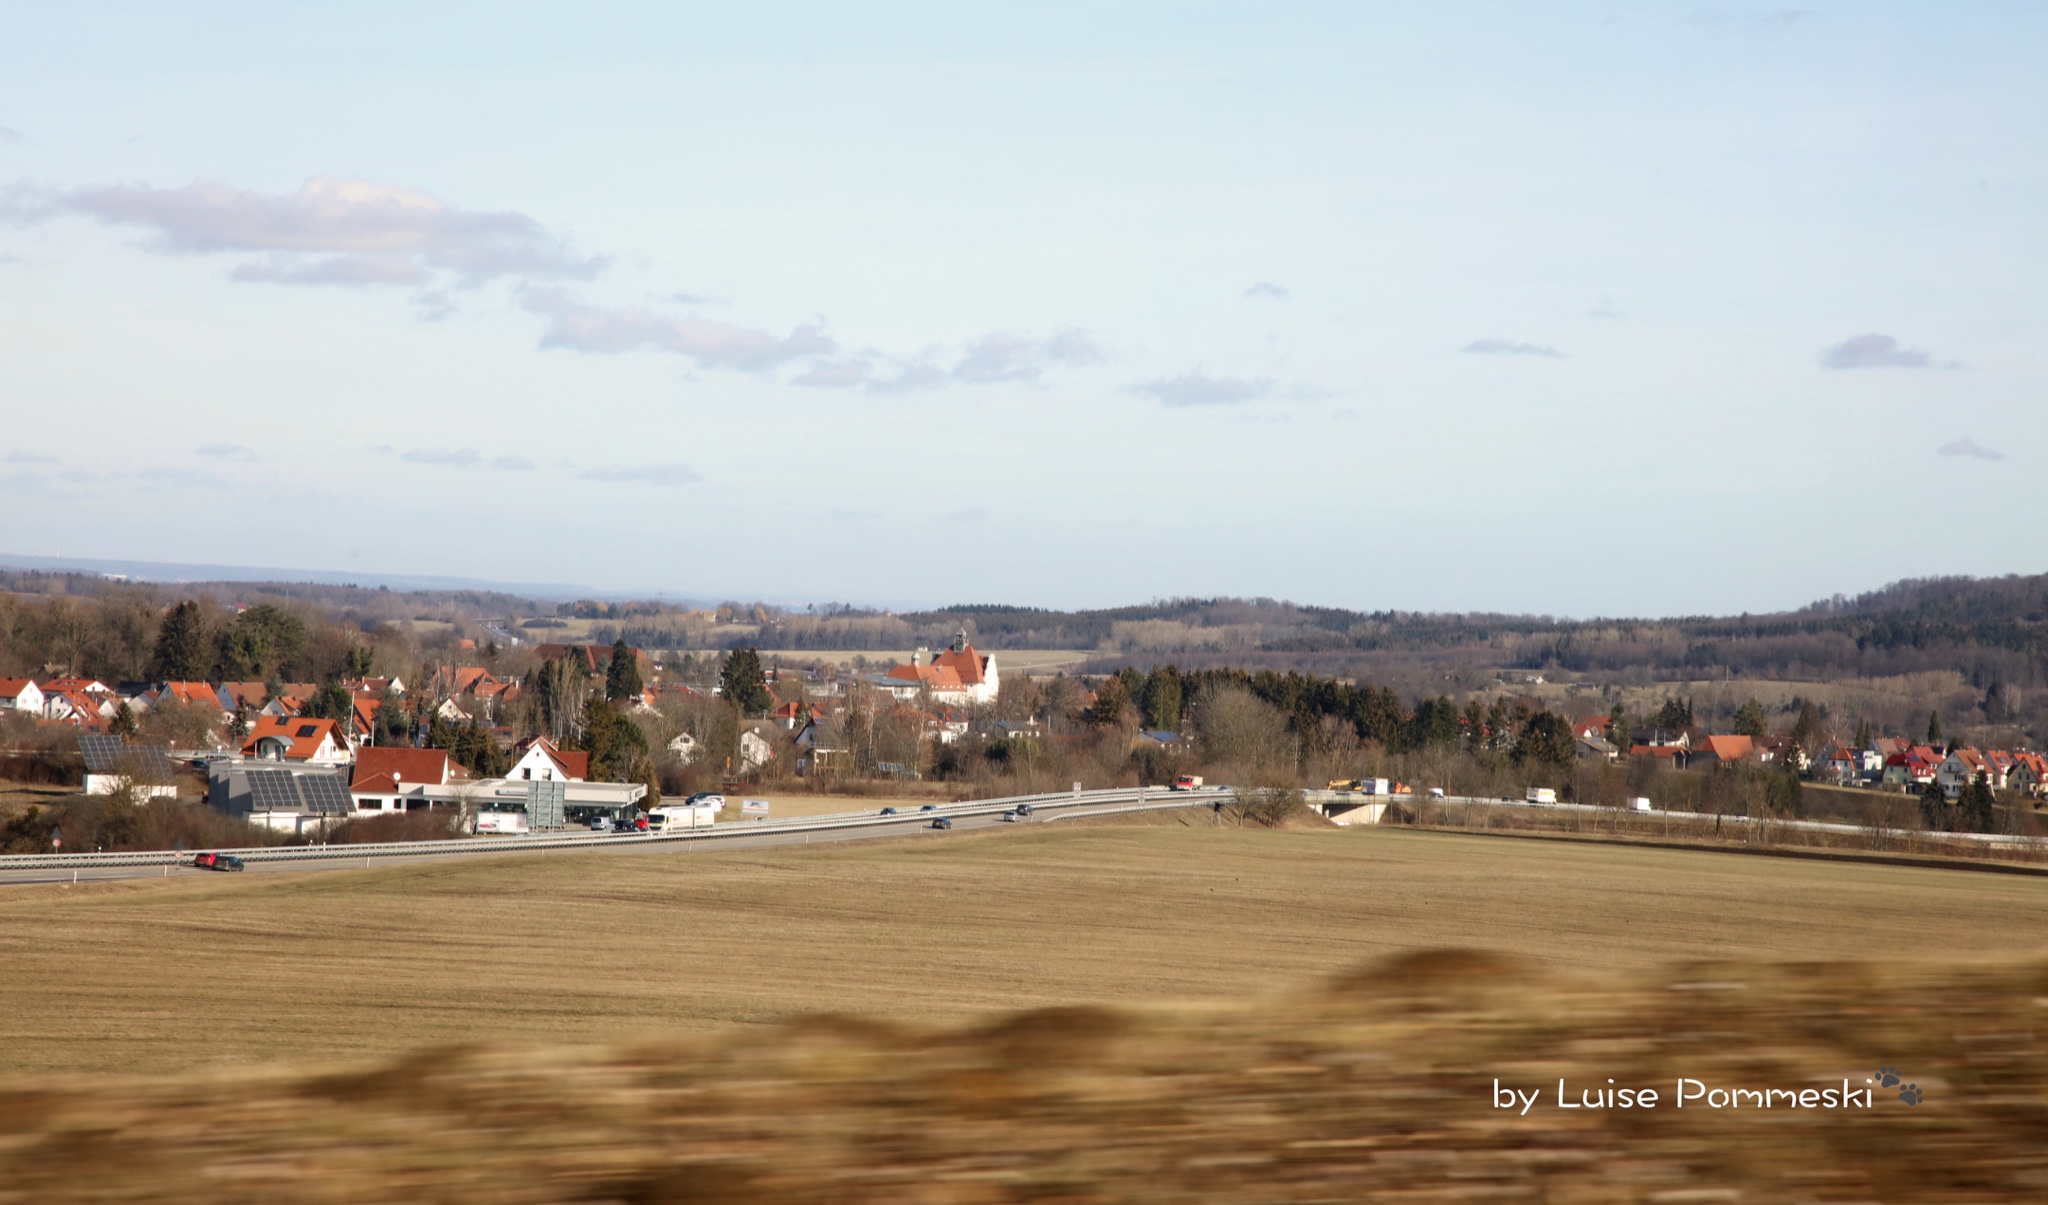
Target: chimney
920 656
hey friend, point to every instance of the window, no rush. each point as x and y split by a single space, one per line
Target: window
308 729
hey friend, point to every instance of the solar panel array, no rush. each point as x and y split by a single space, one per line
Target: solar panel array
325 794
109 755
274 791
545 798
102 753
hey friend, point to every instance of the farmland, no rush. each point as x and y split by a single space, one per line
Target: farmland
150 975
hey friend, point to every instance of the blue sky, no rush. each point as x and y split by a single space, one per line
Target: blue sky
1592 309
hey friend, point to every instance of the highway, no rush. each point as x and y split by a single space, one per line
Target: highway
846 826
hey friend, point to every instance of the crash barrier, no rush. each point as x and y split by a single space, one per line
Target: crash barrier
1149 796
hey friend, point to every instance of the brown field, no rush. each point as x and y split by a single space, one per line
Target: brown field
1377 1084
1031 662
149 975
783 807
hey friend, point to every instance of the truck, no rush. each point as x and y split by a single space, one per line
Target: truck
1187 782
1639 803
674 816
1375 786
1541 795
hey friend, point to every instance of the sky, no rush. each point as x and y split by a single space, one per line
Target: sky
1574 309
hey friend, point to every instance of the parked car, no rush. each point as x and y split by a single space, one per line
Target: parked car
943 822
929 807
706 799
600 825
1010 817
216 862
888 811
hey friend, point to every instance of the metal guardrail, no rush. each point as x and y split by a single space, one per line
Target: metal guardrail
569 840
1996 840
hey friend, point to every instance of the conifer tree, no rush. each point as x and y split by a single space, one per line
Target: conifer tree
182 651
622 677
742 685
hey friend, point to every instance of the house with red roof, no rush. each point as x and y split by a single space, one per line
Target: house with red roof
397 779
1726 750
290 738
539 759
21 694
976 671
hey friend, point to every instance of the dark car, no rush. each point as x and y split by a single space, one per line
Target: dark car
888 811
1023 809
942 822
929 807
216 862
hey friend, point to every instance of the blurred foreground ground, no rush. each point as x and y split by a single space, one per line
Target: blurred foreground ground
1375 1085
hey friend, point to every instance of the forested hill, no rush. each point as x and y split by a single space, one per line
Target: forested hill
1988 628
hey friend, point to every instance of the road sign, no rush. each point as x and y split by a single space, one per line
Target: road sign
754 807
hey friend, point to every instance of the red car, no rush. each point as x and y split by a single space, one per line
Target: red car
216 862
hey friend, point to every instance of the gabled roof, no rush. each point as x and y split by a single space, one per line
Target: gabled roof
1729 748
575 766
304 737
966 664
245 694
403 765
14 688
933 677
191 692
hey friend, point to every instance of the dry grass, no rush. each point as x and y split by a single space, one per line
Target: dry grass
784 807
1377 1085
148 975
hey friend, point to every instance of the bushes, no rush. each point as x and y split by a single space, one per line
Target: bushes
106 822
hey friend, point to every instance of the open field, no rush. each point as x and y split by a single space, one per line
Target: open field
1376 1084
154 974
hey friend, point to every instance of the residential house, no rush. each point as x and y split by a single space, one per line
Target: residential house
946 724
21 694
1675 756
1907 770
289 738
238 696
1594 728
907 682
820 747
1663 738
539 759
1959 768
1716 749
398 779
290 797
374 686
2029 774
1596 748
196 694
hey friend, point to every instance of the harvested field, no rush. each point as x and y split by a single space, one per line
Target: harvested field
150 975
1382 1083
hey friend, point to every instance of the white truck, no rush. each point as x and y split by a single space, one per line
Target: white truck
1374 786
1541 795
681 815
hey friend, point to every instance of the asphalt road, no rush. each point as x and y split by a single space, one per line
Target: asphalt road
913 826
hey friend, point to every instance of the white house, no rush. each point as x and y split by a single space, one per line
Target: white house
21 694
539 759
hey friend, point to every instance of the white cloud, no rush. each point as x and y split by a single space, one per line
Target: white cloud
335 231
604 331
834 374
1508 347
1200 389
1873 351
225 452
1604 310
910 379
672 474
456 458
1269 291
25 457
1972 449
517 464
1001 356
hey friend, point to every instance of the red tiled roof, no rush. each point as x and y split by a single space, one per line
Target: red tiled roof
11 688
966 663
404 764
935 677
191 692
305 736
1729 748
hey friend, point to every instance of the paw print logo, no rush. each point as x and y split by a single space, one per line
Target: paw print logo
1887 1077
1911 1094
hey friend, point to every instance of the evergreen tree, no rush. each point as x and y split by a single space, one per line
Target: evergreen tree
1435 725
1163 699
1546 740
123 724
392 725
356 663
1934 728
617 747
1783 792
1807 732
1862 734
182 653
331 702
1672 716
1620 732
622 676
1112 703
742 685
1976 804
1750 721
1934 809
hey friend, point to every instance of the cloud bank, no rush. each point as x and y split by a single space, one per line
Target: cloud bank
1200 389
1972 449
1267 290
601 330
1873 351
1509 347
334 231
